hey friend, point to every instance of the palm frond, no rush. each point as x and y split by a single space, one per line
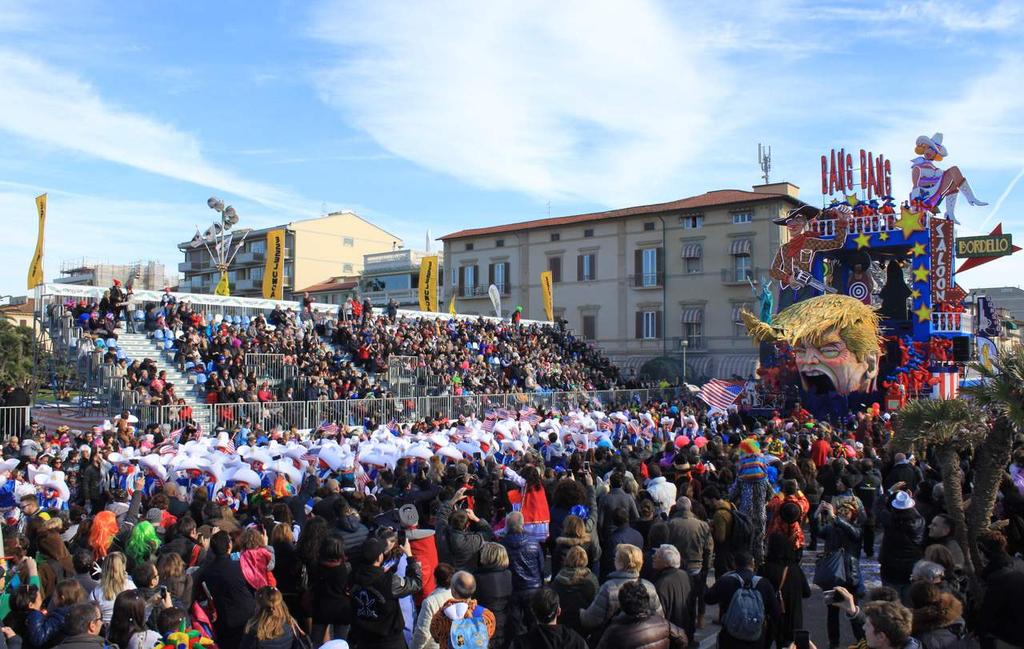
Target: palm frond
1002 386
940 422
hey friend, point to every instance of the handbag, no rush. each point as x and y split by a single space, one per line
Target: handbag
299 639
830 570
782 585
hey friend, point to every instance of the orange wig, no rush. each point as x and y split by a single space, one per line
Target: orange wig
101 535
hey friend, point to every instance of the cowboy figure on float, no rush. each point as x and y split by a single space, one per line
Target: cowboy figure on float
932 184
793 262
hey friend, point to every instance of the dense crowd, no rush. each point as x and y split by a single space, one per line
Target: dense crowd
609 525
343 355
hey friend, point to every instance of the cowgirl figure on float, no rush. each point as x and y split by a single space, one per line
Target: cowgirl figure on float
932 184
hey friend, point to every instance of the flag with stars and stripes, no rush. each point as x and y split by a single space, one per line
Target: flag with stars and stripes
720 394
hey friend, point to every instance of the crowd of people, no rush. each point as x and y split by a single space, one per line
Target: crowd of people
342 355
610 525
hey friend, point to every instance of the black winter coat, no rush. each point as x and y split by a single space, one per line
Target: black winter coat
283 641
331 601
576 588
902 543
640 632
494 592
673 586
558 636
840 534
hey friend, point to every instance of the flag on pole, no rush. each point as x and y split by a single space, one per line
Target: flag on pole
720 394
35 268
948 385
451 305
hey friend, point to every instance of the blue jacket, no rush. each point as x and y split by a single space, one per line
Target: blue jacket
525 561
45 630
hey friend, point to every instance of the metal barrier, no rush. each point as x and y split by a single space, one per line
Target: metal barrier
271 368
14 420
357 412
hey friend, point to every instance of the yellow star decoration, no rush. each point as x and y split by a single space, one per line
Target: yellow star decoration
909 222
923 313
863 240
883 236
852 200
921 274
917 250
914 293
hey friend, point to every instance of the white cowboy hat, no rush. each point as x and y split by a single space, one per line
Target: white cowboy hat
9 465
153 464
418 451
449 452
58 485
934 142
41 470
247 476
287 469
903 500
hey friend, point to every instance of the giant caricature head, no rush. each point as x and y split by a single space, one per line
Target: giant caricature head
834 339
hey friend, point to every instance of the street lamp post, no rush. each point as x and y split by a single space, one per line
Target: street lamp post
684 343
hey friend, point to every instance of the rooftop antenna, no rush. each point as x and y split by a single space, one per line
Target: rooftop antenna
764 158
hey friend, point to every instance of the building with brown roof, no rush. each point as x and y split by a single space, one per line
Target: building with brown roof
638 281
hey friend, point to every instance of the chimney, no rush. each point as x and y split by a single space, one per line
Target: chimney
785 188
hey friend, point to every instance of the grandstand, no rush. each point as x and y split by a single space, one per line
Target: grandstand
194 355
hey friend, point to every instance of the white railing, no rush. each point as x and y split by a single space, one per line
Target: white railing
271 368
359 412
14 420
951 322
48 295
858 224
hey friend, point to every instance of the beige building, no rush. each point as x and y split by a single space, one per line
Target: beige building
315 249
637 281
141 275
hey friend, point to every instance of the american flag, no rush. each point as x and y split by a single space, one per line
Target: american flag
362 479
948 386
488 422
329 428
530 416
605 424
720 394
633 428
502 413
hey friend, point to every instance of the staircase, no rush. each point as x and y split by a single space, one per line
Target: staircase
140 346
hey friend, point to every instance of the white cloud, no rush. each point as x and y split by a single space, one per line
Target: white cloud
952 16
49 105
595 100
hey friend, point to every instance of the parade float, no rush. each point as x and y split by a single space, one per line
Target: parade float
870 311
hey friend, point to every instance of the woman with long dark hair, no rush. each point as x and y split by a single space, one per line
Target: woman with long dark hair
128 622
782 569
332 608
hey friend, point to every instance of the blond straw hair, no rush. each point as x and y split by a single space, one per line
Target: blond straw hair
493 555
628 558
814 319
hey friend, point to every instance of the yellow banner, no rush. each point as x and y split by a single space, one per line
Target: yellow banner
223 287
428 284
549 298
273 271
35 269
451 305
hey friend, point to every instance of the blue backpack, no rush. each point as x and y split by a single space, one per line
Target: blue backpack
469 632
745 617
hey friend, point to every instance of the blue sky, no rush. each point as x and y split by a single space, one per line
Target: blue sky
447 115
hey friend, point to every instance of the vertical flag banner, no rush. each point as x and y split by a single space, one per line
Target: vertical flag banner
451 305
273 272
223 286
35 269
546 288
428 283
492 292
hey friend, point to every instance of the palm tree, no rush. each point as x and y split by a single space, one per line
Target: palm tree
951 427
1001 392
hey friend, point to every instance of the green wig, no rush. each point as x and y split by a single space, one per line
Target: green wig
142 543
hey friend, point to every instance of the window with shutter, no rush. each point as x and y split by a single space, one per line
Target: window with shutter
555 266
589 327
639 324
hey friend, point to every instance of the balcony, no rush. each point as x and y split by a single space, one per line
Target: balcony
951 322
647 280
192 266
247 284
250 257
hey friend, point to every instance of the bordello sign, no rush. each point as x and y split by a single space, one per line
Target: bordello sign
987 246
